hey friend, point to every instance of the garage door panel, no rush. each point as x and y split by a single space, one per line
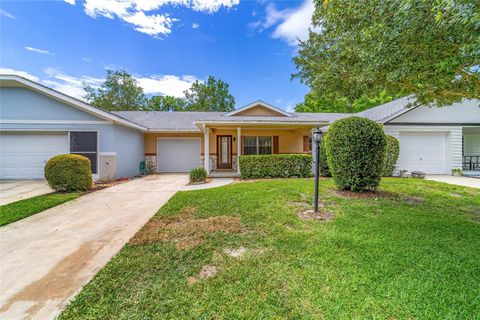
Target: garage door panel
178 155
23 156
423 151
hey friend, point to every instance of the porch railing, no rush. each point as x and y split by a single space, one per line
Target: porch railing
471 163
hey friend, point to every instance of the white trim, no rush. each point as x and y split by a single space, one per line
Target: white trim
259 122
107 153
398 114
178 138
206 154
55 122
69 100
256 103
239 147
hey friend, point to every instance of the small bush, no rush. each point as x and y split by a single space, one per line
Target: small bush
275 165
356 153
69 172
324 170
198 175
391 156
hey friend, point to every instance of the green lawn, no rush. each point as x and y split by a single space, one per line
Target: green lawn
412 255
24 208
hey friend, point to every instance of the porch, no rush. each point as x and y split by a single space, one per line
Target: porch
224 144
471 152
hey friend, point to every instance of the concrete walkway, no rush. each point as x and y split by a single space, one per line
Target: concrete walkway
216 182
459 181
14 190
48 257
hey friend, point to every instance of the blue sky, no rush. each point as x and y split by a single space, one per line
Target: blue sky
165 44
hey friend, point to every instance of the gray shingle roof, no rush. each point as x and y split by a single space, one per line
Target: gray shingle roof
185 121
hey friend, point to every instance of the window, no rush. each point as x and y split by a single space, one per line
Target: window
310 144
257 145
85 143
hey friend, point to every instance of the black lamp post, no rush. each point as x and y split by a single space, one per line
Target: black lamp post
317 138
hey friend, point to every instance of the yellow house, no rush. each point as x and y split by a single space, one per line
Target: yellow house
180 141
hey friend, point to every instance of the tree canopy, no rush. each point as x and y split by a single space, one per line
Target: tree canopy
120 91
318 103
427 48
211 95
166 103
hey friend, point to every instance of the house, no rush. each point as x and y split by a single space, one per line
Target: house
38 122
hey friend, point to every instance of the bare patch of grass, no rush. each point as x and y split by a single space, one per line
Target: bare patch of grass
184 230
378 194
312 215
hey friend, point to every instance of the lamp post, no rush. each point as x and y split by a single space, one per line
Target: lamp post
317 138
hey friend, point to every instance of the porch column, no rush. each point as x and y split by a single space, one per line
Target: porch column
206 157
239 147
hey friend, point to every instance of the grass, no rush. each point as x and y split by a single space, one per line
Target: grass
412 255
17 210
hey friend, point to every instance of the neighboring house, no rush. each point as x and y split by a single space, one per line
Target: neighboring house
38 122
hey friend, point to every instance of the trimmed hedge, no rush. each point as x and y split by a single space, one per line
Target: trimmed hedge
198 175
275 166
356 153
324 170
391 156
69 172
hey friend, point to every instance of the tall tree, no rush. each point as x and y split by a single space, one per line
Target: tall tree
211 95
318 103
166 103
427 48
120 91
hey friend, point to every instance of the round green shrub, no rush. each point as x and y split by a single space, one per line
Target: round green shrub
391 156
69 172
324 170
198 175
356 153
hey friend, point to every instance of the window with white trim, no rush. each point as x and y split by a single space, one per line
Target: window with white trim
85 143
257 145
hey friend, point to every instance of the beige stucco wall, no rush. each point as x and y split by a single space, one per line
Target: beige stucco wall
289 141
258 111
151 140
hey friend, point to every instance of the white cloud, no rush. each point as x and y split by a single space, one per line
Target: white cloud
195 25
72 2
290 24
18 73
70 85
86 59
152 25
170 85
6 14
138 13
39 51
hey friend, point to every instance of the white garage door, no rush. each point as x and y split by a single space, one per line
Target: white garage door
423 151
178 155
23 156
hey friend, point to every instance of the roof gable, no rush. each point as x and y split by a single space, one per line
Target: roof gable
7 80
259 109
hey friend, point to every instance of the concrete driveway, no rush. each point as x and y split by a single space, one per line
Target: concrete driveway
14 190
459 181
48 257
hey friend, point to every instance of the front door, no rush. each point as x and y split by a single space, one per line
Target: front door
224 152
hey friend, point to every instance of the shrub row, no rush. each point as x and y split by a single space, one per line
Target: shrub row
391 156
275 166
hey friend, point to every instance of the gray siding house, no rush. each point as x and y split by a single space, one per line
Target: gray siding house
38 123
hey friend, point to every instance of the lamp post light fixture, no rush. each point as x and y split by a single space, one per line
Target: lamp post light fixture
317 138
